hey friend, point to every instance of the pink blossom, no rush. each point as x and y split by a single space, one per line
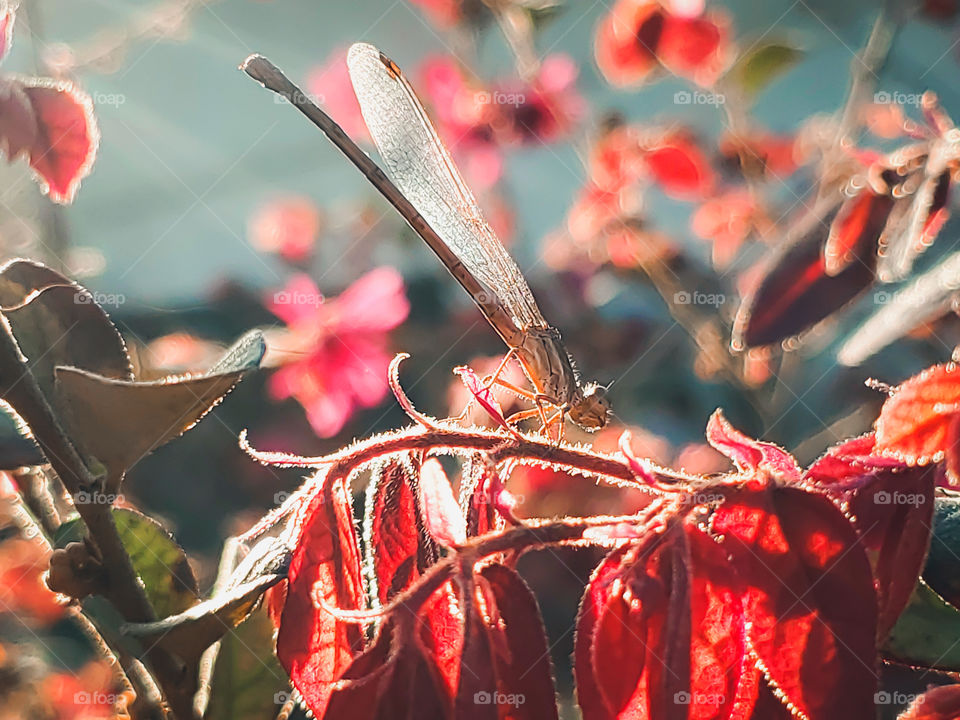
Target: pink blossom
333 353
288 226
330 87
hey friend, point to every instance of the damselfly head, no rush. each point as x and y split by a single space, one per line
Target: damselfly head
591 411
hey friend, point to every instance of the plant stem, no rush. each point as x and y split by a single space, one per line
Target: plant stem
20 390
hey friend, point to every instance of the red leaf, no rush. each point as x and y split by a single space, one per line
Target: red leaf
594 601
391 680
914 425
796 291
482 394
940 703
441 513
670 633
66 140
442 634
809 598
522 656
846 231
892 509
747 453
393 537
313 646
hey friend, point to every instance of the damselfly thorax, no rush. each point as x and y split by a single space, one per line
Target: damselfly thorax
427 189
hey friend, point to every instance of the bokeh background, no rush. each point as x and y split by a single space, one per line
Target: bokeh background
209 197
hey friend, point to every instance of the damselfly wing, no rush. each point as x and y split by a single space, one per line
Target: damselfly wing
429 192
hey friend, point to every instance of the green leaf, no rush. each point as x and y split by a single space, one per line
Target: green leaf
120 421
758 67
159 561
248 680
191 632
927 632
942 571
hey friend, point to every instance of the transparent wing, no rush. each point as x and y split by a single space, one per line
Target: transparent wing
421 167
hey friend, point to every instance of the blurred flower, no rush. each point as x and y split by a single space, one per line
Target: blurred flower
334 352
549 107
679 166
638 37
727 220
761 154
330 87
22 590
92 692
288 226
464 119
443 13
178 353
477 121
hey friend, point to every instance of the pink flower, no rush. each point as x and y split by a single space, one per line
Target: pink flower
443 13
549 108
334 352
330 88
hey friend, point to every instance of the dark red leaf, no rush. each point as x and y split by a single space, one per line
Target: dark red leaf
915 422
595 597
846 231
313 646
391 680
891 507
67 136
522 658
441 635
18 125
809 598
394 539
477 693
796 291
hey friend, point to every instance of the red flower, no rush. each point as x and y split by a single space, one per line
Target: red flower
336 351
287 226
639 37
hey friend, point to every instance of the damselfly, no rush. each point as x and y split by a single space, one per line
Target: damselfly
431 195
